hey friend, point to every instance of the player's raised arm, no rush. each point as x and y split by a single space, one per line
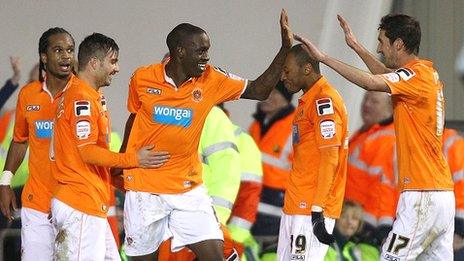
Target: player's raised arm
375 66
359 77
260 88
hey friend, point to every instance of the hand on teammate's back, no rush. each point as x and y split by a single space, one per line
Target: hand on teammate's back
149 159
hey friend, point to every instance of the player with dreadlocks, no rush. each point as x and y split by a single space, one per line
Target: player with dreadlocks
35 111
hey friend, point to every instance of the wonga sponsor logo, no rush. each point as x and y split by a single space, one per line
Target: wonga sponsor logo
172 116
43 129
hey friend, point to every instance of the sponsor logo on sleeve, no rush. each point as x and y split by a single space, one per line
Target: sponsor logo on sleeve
324 106
33 108
405 73
392 77
43 129
82 108
327 129
228 74
82 129
172 116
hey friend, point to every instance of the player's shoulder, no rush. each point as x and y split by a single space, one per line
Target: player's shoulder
79 89
31 88
146 70
218 72
329 92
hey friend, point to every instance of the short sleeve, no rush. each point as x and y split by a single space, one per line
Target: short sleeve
21 129
403 82
329 121
84 119
230 86
133 102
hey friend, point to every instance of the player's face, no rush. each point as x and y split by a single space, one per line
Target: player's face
375 107
59 58
292 74
273 103
196 54
387 50
349 222
108 67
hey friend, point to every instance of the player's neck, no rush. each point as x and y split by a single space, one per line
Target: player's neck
89 79
56 85
310 81
176 73
405 59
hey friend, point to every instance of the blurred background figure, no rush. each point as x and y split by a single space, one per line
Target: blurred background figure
347 246
271 130
369 165
12 83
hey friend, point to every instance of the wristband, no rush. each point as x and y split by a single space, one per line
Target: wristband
316 208
5 180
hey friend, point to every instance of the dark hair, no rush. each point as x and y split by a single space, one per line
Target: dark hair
95 45
43 45
179 34
302 57
403 27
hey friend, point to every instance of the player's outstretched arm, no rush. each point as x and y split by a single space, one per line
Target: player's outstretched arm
375 66
365 80
260 88
144 158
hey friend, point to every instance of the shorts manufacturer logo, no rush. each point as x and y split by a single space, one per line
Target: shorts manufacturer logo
43 129
391 258
297 257
172 116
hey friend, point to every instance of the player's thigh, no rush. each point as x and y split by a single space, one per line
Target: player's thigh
80 236
193 219
112 252
440 238
297 240
145 222
420 219
37 235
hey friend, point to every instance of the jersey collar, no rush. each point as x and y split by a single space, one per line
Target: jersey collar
313 89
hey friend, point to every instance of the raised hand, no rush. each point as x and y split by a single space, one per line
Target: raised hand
285 30
7 201
151 159
15 65
350 39
313 51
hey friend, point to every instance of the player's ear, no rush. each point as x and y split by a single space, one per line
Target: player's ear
180 51
308 69
398 44
43 58
93 62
